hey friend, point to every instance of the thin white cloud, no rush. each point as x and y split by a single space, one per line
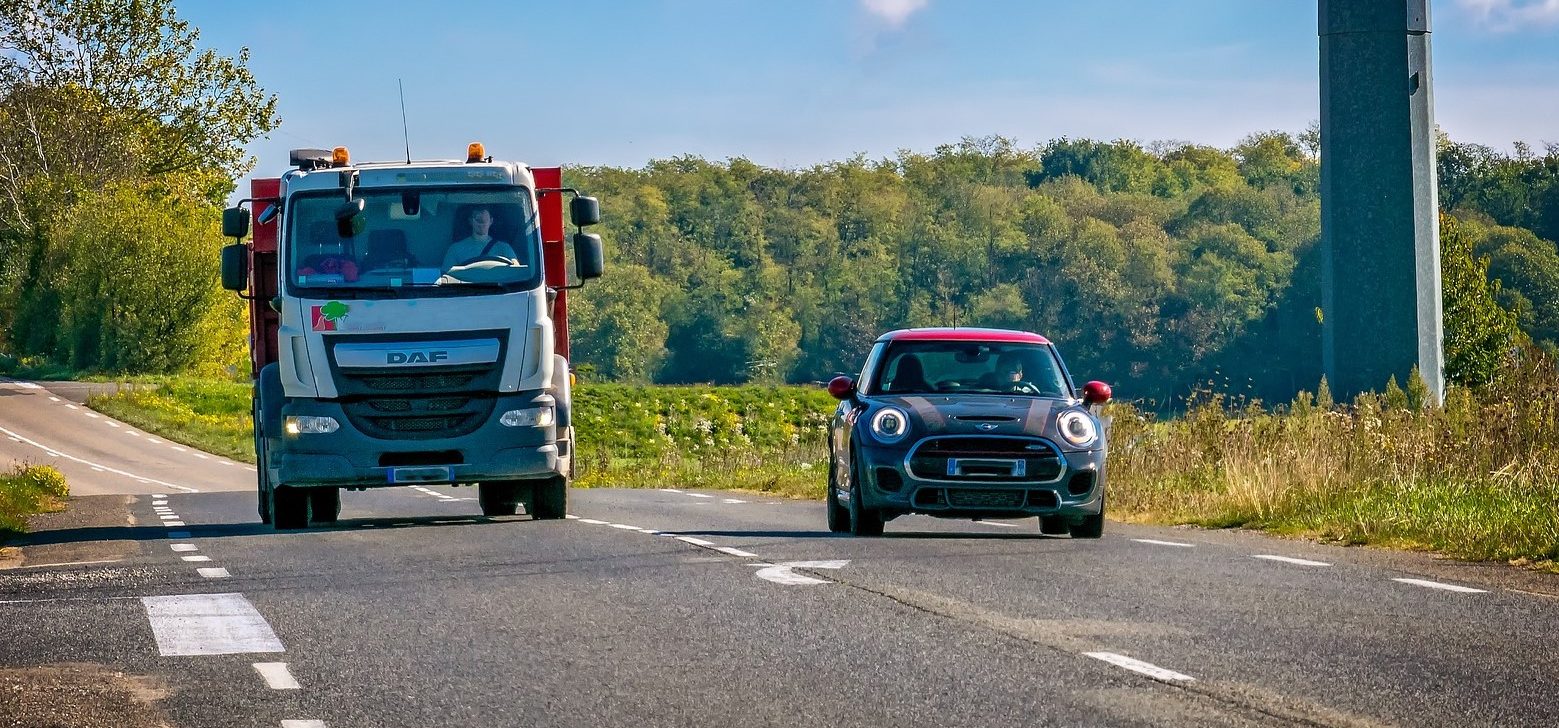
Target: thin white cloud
893 12
1505 15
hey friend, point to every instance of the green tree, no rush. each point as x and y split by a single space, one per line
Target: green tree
1479 335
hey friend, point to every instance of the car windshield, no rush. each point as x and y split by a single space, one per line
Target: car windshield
962 367
428 239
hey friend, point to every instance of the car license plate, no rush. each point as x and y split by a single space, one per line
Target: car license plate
986 467
426 474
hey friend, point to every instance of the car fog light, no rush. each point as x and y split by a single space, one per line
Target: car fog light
311 425
533 417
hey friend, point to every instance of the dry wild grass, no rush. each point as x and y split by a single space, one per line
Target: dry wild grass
1475 478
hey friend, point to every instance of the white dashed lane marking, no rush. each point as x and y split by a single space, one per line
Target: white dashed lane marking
196 558
277 676
208 624
1438 585
1138 666
1290 560
214 573
183 547
303 724
1156 542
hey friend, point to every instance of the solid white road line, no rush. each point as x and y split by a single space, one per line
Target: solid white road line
1138 666
91 464
70 563
625 527
303 724
696 541
1438 585
571 517
196 557
208 624
216 573
670 490
592 521
276 676
183 547
736 552
1156 542
1289 560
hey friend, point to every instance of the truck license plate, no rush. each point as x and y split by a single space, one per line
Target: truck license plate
427 474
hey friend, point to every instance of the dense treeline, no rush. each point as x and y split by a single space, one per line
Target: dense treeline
1154 267
119 141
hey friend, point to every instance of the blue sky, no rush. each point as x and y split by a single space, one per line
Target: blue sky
792 83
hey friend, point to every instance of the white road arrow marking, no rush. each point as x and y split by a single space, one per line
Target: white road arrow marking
782 574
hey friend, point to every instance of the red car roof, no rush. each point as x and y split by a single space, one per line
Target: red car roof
1005 336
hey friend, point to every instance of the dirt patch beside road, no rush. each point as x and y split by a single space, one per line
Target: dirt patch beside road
78 695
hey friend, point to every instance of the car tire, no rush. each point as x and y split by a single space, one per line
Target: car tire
549 499
1091 526
838 515
1054 525
863 521
290 507
324 504
498 498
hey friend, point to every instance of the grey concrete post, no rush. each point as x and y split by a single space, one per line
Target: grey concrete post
1380 232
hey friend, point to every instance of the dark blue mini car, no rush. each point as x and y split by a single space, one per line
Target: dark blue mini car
966 423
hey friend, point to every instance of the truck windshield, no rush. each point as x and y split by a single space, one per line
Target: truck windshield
431 239
949 367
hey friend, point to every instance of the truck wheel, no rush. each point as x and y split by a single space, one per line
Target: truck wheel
290 507
498 498
325 504
1054 525
550 499
1092 526
863 521
262 481
563 393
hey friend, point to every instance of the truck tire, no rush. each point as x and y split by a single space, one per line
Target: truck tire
262 477
290 507
498 498
324 504
549 499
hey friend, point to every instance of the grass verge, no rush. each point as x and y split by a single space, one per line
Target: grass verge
26 491
1476 478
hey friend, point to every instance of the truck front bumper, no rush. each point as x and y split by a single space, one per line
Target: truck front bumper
352 458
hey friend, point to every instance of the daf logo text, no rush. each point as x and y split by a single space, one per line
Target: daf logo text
416 357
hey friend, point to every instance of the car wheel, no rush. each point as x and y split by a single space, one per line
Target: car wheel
863 521
838 515
549 499
290 507
498 498
1054 525
1091 526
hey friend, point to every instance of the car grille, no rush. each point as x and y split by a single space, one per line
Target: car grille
977 498
1042 462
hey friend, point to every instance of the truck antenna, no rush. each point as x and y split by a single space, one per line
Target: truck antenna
405 132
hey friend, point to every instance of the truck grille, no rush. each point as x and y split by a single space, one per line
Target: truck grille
413 382
418 418
1040 461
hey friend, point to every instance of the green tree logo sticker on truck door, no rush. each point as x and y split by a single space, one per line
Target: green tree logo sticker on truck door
326 316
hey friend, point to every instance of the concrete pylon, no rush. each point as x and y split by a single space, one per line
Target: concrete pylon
1380 231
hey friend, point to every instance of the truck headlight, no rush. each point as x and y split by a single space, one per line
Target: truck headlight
529 417
311 425
1077 427
890 425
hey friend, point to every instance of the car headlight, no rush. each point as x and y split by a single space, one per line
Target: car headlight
890 425
530 417
304 425
1077 427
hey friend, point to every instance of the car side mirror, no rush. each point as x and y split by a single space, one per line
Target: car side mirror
841 387
235 222
584 211
1096 392
589 256
235 266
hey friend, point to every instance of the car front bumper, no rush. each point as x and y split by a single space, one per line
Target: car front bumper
890 485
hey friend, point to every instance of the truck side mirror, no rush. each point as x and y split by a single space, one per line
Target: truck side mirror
584 211
235 265
235 222
589 257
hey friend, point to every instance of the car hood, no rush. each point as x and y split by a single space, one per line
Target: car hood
982 414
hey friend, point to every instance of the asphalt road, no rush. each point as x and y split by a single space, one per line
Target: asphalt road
685 608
